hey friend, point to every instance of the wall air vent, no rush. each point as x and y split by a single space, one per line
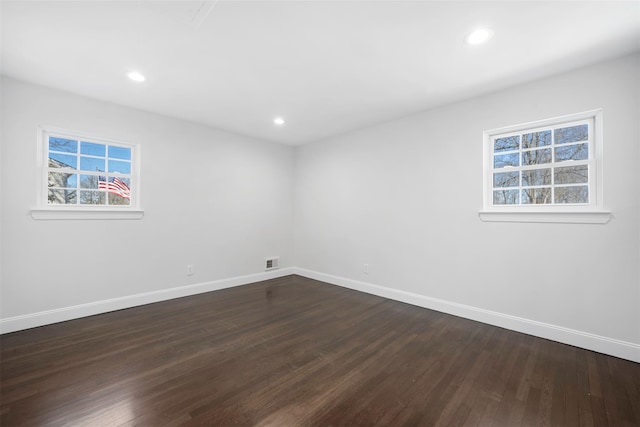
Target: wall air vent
272 263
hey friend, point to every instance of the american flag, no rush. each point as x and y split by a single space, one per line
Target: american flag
115 185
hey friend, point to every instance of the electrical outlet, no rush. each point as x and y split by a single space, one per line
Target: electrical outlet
190 270
365 268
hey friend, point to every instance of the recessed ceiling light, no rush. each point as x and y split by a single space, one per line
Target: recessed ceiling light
479 36
278 121
136 76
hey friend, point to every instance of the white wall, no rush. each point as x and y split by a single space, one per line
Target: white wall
404 197
215 200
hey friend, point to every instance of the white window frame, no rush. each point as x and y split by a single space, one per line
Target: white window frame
592 212
46 211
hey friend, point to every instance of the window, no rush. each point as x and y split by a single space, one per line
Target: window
548 167
85 174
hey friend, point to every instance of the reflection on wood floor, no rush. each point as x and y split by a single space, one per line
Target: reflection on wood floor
294 351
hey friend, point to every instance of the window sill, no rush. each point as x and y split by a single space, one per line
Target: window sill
593 217
47 214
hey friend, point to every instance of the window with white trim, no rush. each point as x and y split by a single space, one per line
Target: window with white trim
85 173
553 165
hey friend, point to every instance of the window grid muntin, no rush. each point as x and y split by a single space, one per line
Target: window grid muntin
552 165
130 177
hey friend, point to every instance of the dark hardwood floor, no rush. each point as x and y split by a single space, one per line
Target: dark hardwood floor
292 352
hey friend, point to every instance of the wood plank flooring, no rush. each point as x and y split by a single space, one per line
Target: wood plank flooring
297 352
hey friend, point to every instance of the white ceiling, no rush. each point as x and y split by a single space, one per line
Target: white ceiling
327 67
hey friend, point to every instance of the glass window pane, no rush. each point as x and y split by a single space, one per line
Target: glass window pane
59 179
119 153
119 167
92 164
572 152
92 197
62 197
64 145
571 175
536 177
116 185
115 199
577 194
92 149
506 144
63 161
572 134
506 179
126 182
90 181
536 196
505 197
536 139
536 157
503 160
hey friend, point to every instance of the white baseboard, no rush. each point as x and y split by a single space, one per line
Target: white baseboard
32 320
601 344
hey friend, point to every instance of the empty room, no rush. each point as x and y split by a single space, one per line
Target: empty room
319 213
